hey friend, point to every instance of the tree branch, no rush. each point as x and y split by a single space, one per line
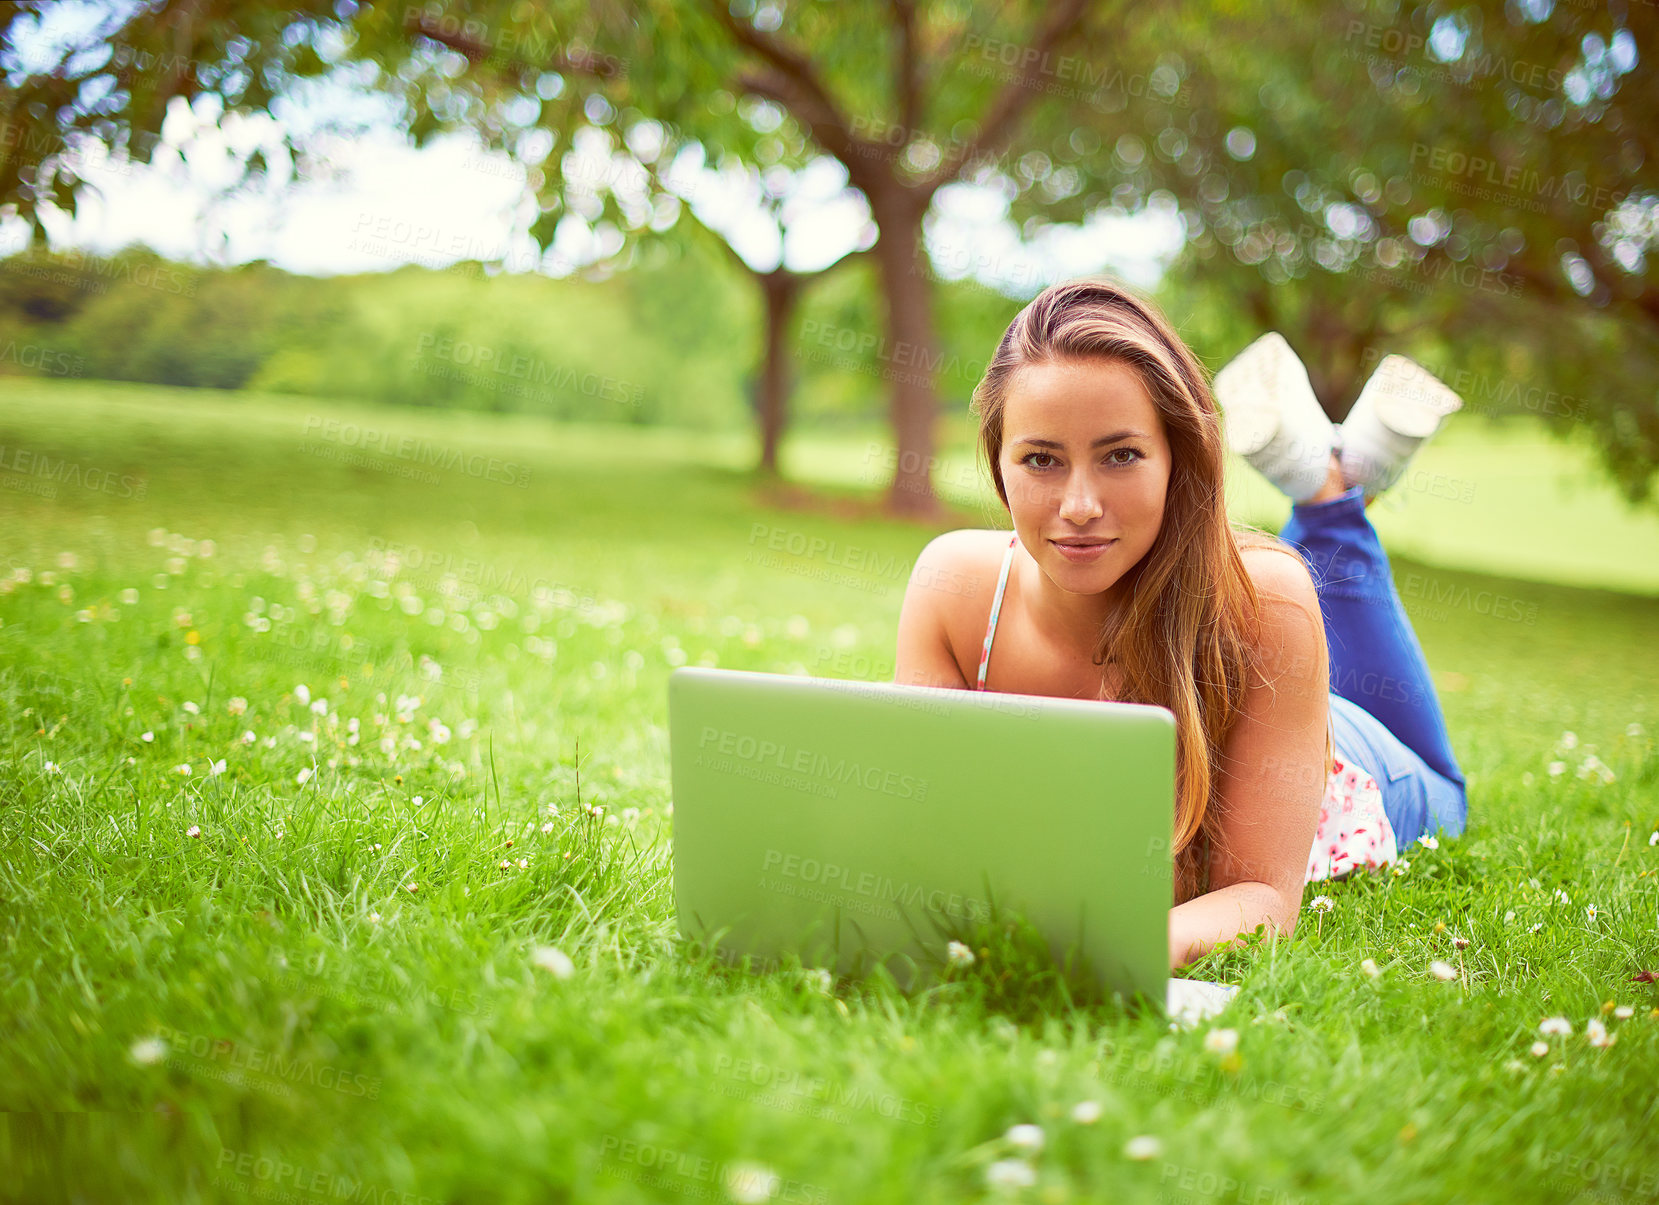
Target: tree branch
182 69
793 83
1064 21
601 66
907 84
725 244
775 86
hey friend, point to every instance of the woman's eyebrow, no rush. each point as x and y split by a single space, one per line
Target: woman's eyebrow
1104 439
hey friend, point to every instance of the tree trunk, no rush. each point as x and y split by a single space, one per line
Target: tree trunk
781 291
909 353
1335 360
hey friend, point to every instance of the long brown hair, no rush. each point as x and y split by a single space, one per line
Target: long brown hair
1184 637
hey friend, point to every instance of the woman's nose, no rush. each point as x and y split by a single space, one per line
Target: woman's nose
1081 501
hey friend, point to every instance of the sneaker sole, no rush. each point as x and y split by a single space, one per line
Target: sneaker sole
1400 407
1272 418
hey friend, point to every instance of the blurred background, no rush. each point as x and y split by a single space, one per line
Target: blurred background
798 229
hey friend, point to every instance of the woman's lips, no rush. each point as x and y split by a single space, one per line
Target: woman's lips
1082 554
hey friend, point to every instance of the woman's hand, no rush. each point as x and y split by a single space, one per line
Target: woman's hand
1180 941
1201 925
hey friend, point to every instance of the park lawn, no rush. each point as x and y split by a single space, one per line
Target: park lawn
334 989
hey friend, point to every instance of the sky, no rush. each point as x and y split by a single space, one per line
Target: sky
375 202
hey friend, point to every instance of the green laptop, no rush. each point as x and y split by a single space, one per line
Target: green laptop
852 824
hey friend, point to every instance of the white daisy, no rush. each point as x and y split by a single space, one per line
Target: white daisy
147 1052
1142 1147
1010 1175
553 960
1025 1138
750 1183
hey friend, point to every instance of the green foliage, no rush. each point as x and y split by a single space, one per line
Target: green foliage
650 345
138 317
1487 202
672 339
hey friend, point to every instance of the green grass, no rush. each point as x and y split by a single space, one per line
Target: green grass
326 1034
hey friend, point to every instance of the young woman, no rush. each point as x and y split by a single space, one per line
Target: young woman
1309 739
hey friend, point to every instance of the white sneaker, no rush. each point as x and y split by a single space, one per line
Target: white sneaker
1272 418
1402 405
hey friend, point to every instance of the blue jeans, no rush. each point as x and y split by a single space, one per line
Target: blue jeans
1385 716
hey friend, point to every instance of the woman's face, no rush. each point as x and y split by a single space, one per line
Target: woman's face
1086 464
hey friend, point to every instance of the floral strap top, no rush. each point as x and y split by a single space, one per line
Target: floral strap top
1354 832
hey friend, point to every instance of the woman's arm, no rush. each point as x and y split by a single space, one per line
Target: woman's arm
1272 772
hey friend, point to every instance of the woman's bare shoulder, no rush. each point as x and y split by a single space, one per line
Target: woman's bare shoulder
948 597
1277 571
966 550
1288 637
957 571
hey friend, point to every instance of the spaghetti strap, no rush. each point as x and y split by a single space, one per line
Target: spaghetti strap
996 609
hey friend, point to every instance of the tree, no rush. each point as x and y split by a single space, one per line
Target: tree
777 196
1489 199
908 99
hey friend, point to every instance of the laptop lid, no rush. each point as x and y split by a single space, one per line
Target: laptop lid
852 823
